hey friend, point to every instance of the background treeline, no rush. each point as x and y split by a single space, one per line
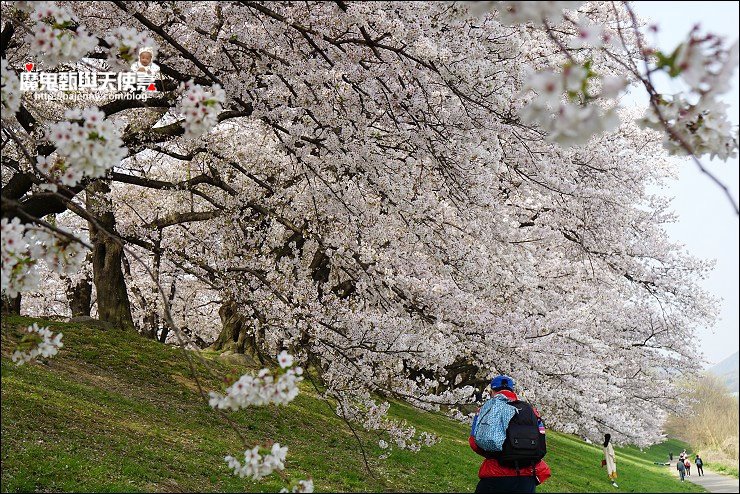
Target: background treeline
710 424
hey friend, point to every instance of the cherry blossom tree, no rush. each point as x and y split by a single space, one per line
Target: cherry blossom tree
409 198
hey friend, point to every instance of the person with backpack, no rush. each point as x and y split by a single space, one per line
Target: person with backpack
610 459
510 435
699 465
687 464
681 469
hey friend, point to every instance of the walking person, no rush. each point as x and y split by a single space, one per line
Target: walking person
670 456
699 465
687 464
491 436
681 467
611 460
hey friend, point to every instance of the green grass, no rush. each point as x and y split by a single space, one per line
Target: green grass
116 412
725 469
659 452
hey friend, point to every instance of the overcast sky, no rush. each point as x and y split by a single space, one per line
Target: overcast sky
708 225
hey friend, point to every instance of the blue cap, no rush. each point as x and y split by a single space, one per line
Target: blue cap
502 382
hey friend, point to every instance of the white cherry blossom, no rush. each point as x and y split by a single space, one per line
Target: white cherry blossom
256 465
39 341
200 108
11 96
522 12
50 38
87 143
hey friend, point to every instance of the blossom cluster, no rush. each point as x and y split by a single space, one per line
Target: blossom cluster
456 414
87 143
201 107
706 66
510 13
703 63
261 390
256 465
52 38
591 35
11 100
124 45
301 486
560 105
41 341
703 126
374 417
692 123
23 247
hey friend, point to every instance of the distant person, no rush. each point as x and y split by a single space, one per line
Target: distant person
681 467
699 465
682 456
670 456
687 464
497 474
611 460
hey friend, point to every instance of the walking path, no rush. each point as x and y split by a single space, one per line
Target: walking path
713 482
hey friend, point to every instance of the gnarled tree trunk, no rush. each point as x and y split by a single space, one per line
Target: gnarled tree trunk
79 294
237 334
113 302
150 324
79 297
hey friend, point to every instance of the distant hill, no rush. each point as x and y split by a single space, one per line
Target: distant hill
728 371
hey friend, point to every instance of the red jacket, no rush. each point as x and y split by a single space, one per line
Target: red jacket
492 468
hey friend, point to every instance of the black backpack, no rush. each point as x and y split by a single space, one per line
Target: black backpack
525 445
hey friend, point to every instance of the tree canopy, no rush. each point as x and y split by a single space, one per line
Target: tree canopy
409 197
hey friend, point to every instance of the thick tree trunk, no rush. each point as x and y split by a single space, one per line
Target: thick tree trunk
236 333
113 302
150 325
12 306
79 296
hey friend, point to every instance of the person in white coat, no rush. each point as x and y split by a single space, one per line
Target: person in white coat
611 461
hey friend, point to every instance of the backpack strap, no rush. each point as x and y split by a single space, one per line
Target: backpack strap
524 404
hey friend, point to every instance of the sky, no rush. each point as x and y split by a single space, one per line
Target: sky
708 225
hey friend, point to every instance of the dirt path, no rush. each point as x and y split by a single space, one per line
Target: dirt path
713 482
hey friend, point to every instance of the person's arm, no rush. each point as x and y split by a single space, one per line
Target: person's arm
475 447
542 472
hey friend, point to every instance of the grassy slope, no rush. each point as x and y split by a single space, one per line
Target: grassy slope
116 412
727 470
